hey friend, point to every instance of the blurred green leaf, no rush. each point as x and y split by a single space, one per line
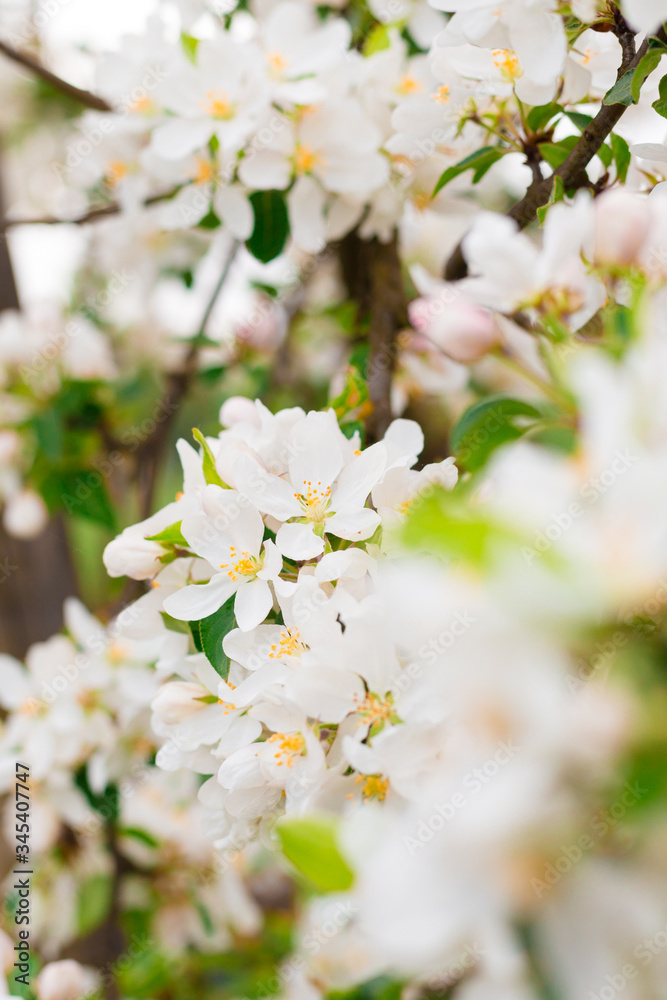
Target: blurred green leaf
486 426
310 843
479 162
271 229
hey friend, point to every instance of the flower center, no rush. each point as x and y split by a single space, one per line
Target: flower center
218 105
116 170
289 644
288 746
143 103
227 706
277 63
373 786
240 564
507 62
205 171
409 85
314 499
441 95
305 159
373 709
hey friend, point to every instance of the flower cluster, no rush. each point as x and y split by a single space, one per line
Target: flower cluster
77 717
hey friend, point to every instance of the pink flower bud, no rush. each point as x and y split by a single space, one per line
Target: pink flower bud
132 555
238 409
62 981
622 220
463 331
25 515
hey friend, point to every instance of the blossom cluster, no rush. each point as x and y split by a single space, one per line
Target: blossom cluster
432 709
77 717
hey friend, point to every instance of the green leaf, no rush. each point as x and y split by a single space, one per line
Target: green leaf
48 428
175 624
189 44
646 773
538 118
557 194
579 119
645 67
208 634
310 843
170 536
137 834
94 903
377 40
556 153
211 474
660 105
210 221
621 92
81 492
621 153
444 524
479 161
271 229
487 425
353 396
605 154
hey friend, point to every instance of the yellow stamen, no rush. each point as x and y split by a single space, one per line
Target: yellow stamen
374 786
314 499
205 172
409 85
289 746
277 63
240 565
305 159
217 105
507 62
116 170
289 643
441 95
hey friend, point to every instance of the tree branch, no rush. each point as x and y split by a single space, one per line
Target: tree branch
150 453
84 97
372 273
113 208
573 170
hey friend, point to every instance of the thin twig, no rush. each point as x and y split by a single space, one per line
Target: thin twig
113 208
85 97
149 455
572 171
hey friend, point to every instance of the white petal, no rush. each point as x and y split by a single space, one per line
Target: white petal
200 600
235 210
267 492
306 213
359 477
177 138
353 525
253 602
298 541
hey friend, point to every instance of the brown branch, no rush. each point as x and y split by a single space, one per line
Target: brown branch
84 97
373 276
101 212
151 451
572 171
